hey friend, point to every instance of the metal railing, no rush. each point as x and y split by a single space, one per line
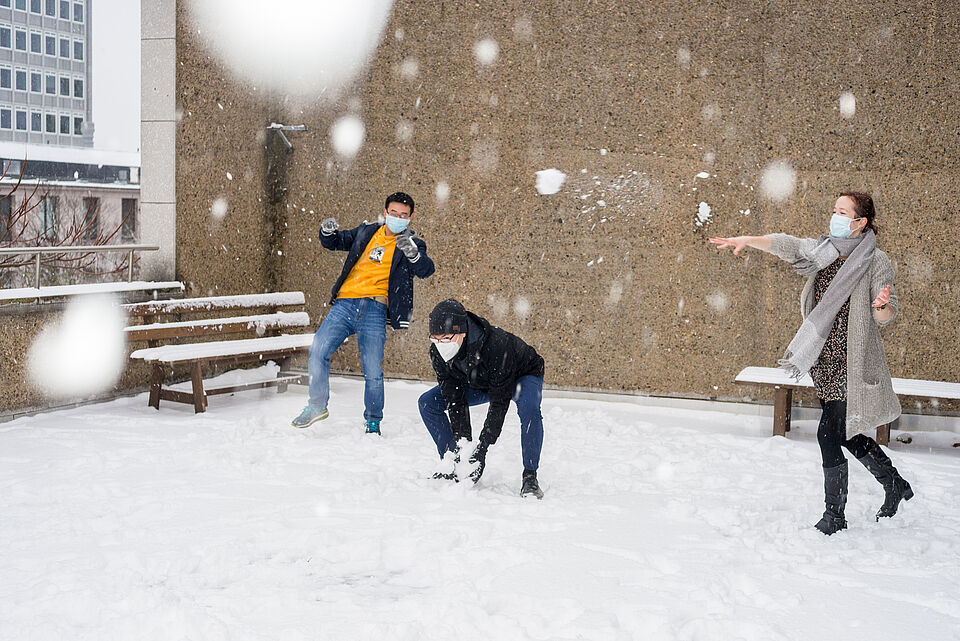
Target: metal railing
77 249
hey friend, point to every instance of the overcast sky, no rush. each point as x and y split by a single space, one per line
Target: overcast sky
116 74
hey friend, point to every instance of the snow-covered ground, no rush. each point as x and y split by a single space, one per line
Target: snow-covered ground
121 522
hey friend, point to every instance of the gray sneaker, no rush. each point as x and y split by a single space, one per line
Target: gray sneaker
309 416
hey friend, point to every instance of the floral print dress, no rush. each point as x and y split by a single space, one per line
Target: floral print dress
829 373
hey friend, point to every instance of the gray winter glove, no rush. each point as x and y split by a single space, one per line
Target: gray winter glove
329 226
407 246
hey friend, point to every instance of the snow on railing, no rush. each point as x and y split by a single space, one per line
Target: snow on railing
55 291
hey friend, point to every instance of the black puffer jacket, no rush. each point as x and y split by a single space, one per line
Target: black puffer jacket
490 360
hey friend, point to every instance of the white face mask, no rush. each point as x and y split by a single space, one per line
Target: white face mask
447 350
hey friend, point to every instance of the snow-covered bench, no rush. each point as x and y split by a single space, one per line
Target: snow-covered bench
783 386
258 337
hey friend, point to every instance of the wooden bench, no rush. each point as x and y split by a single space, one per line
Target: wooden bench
257 338
783 387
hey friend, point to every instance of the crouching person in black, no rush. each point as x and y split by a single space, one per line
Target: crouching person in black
479 363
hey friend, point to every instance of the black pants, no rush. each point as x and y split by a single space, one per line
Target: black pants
832 433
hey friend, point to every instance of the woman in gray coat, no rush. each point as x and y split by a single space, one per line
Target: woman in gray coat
848 296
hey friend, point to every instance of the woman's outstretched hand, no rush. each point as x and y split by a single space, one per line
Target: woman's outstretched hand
882 298
737 243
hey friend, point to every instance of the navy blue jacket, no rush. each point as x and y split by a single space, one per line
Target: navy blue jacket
402 271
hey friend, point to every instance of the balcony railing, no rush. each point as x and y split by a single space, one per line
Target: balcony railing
77 249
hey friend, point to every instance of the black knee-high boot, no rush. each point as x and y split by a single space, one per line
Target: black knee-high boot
835 498
895 488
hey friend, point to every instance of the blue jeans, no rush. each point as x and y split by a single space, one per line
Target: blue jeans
367 319
528 395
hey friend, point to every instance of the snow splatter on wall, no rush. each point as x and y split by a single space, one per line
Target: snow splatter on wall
703 214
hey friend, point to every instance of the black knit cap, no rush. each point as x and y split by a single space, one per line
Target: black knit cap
448 317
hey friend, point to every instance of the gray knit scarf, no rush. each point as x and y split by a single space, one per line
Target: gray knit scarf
805 348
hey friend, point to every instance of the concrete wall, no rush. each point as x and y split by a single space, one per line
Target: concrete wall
631 100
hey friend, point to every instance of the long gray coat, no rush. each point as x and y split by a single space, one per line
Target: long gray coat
870 398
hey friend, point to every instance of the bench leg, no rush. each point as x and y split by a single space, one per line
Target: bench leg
199 396
883 434
284 364
156 382
782 402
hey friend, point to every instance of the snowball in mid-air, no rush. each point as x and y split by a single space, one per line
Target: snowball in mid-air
486 51
84 353
219 208
549 181
848 104
296 47
442 191
778 181
346 134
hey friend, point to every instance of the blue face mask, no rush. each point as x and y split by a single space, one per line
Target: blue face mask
396 225
840 226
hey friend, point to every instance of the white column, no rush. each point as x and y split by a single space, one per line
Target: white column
158 122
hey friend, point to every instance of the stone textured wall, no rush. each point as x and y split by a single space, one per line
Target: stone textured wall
611 278
631 100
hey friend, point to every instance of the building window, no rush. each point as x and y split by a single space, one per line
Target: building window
77 50
52 8
6 218
21 5
36 42
64 48
51 87
20 80
5 78
77 126
91 218
78 88
51 123
36 6
36 82
78 12
21 120
4 3
36 121
20 40
128 224
65 125
64 10
50 43
5 37
6 116
49 207
65 86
